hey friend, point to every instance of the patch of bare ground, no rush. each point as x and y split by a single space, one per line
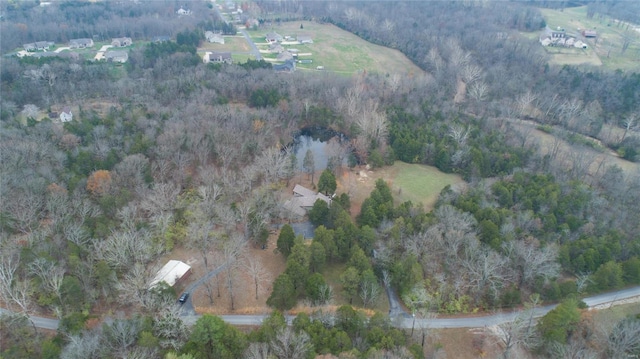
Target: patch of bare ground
460 343
245 301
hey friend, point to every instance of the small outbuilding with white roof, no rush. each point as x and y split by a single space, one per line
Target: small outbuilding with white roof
172 272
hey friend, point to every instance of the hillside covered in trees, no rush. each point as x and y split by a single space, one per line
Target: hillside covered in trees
166 152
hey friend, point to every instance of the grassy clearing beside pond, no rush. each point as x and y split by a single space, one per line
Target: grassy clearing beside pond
608 45
420 184
338 50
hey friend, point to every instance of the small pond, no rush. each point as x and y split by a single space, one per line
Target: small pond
321 142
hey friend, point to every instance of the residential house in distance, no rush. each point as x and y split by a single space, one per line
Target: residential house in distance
183 11
116 56
121 42
284 56
66 115
303 199
273 37
288 66
80 43
38 46
172 273
214 37
275 48
560 38
305 39
589 33
217 57
161 38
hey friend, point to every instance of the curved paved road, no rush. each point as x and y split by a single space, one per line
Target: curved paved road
612 298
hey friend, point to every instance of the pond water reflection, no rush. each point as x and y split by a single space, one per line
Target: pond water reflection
323 146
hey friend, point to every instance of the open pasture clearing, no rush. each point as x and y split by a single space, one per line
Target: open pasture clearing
338 50
608 46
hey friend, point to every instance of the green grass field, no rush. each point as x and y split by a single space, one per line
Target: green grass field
419 183
231 44
607 48
338 50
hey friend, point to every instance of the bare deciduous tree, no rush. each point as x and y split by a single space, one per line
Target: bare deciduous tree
124 248
529 261
120 335
471 73
525 103
519 332
369 292
485 270
82 346
478 91
30 111
12 289
232 249
290 345
257 351
258 273
50 274
169 328
629 123
161 199
201 236
624 339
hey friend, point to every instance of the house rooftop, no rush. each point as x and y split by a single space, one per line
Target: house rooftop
170 273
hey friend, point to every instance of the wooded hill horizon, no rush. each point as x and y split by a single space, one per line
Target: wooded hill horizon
167 154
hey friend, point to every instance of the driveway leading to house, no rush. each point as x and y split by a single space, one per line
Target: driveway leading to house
60 49
100 54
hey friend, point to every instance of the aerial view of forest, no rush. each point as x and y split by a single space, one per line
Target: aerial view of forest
319 179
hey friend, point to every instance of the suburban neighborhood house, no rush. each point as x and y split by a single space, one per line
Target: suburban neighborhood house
275 48
172 273
116 56
305 39
183 11
287 66
217 57
303 199
214 37
273 37
121 42
284 56
559 37
161 38
38 46
80 43
66 115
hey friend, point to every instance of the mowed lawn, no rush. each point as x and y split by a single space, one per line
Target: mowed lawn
607 48
231 44
420 183
337 50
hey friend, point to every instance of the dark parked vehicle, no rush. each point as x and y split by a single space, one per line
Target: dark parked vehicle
183 297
